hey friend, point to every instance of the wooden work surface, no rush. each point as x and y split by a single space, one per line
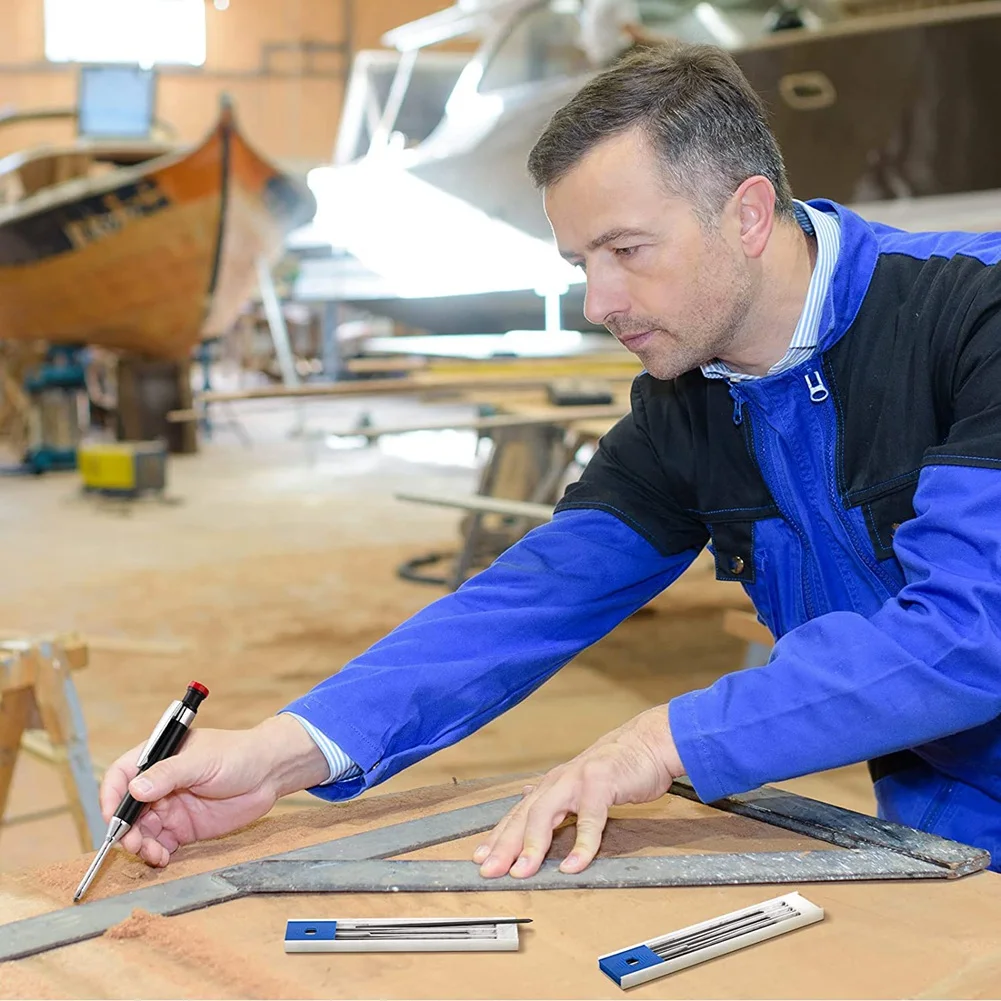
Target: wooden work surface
886 939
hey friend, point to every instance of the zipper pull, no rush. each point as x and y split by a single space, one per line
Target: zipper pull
738 404
818 391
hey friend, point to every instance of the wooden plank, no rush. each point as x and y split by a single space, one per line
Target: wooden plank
73 649
558 416
745 626
17 671
376 387
76 647
182 416
402 363
132 644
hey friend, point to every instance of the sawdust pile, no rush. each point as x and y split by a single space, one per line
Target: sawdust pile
200 967
138 924
63 877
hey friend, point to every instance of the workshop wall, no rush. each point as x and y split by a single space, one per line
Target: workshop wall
282 61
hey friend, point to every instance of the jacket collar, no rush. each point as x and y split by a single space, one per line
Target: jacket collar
852 273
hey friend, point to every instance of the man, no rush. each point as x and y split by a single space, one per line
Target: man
821 401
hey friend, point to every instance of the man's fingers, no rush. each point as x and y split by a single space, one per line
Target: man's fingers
169 841
178 772
516 815
151 823
153 853
112 790
527 835
116 781
592 815
509 832
538 836
132 840
485 847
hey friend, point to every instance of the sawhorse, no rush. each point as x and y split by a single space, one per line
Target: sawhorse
524 476
37 692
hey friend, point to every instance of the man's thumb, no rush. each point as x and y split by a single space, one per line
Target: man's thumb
160 779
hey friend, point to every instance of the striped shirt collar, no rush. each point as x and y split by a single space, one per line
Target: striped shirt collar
806 336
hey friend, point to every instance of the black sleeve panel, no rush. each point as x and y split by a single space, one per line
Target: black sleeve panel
917 380
971 378
627 479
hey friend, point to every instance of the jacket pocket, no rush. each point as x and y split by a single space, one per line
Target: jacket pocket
885 513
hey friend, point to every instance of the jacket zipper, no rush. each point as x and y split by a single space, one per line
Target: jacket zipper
758 449
870 563
738 404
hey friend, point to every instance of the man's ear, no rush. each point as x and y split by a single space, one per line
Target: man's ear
755 202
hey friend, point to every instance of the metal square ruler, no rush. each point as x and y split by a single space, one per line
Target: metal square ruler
873 849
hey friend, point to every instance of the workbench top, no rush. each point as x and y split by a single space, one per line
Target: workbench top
879 939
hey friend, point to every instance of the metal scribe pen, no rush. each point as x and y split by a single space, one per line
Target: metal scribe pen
165 740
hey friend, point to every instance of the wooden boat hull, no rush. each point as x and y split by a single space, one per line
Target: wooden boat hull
152 258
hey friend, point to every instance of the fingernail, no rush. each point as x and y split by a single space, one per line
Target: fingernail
520 866
569 862
481 853
142 786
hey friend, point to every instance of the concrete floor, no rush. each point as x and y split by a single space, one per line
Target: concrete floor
275 563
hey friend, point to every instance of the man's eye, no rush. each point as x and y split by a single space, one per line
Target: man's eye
625 251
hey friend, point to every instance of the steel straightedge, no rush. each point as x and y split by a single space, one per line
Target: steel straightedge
396 876
876 849
846 828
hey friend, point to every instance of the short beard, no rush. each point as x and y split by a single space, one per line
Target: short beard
724 296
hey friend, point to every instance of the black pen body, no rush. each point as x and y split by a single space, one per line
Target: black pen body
166 741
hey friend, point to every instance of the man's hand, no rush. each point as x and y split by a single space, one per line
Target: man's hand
219 781
634 764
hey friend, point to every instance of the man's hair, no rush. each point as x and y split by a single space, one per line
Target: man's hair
693 103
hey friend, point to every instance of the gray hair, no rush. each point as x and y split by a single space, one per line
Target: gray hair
707 124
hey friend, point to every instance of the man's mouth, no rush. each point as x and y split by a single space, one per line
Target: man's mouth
634 341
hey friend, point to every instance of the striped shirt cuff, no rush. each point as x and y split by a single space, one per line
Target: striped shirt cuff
341 766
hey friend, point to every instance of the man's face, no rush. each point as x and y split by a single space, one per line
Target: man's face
672 290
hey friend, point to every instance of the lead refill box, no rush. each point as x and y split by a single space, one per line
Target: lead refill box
395 935
686 947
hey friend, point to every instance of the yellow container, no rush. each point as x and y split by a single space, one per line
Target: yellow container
123 467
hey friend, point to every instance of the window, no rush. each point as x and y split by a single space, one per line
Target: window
147 32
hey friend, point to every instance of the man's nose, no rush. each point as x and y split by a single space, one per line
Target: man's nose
603 299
